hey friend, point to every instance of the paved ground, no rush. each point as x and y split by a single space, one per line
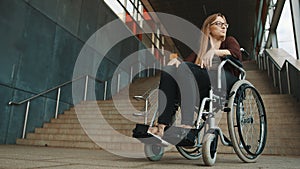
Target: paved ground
27 157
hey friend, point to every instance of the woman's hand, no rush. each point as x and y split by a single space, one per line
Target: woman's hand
222 52
207 59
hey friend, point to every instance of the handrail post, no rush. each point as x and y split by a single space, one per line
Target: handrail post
146 111
279 81
105 90
154 69
273 74
25 120
140 69
57 102
288 78
118 84
148 71
131 74
85 87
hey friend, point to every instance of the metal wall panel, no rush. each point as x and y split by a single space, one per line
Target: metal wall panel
5 113
11 45
46 7
68 14
40 42
88 19
38 38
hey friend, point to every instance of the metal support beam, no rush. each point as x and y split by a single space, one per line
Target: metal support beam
272 39
295 10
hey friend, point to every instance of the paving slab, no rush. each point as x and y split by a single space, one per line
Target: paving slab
30 157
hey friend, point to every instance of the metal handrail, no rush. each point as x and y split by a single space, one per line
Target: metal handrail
143 96
46 91
283 70
58 88
146 97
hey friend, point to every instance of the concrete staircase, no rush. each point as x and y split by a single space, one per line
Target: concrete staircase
97 124
93 131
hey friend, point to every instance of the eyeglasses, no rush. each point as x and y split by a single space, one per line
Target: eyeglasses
220 24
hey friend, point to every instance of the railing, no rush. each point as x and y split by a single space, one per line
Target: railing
58 88
150 98
141 24
86 83
283 69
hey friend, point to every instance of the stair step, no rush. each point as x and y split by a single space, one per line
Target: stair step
121 102
134 147
278 96
97 112
107 108
118 120
89 126
250 66
58 137
261 81
76 137
130 117
79 131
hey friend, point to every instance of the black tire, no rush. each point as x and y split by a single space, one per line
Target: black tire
209 149
190 153
247 122
153 152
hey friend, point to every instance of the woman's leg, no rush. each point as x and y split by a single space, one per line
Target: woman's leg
168 95
167 100
194 85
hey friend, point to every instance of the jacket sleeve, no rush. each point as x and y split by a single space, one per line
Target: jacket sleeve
233 46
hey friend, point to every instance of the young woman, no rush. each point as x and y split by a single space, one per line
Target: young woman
190 82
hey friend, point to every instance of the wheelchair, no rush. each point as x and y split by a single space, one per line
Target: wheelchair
246 119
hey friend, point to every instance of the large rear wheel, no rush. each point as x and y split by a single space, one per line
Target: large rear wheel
247 122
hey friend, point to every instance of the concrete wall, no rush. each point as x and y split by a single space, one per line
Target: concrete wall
40 42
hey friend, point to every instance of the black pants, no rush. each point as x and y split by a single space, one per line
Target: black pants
186 86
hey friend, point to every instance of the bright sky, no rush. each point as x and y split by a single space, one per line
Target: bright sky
285 31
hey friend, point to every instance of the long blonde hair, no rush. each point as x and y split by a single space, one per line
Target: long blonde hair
204 39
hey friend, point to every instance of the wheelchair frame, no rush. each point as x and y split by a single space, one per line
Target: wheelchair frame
237 118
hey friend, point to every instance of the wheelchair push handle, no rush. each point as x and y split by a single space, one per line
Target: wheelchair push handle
234 62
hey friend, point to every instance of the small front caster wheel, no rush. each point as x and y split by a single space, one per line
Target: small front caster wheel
209 149
154 152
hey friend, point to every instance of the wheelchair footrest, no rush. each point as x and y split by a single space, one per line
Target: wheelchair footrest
173 135
181 136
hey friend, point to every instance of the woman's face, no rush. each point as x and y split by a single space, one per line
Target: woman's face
218 28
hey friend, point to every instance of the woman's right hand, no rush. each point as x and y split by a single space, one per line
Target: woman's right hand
206 61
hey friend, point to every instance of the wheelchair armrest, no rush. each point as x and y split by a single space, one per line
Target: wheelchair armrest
234 60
